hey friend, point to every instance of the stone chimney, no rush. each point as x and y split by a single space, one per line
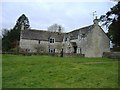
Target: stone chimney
22 26
96 21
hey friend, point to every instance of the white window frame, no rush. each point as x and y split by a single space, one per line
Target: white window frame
51 50
52 40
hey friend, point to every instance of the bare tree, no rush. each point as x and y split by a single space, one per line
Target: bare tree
55 28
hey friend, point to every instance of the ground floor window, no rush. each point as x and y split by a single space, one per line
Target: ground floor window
27 50
51 50
79 50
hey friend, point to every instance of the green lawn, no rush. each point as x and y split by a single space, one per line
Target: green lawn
57 72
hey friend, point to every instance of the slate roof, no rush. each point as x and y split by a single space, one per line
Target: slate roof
45 35
74 34
41 35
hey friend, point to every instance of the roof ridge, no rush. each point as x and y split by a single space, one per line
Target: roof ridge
81 28
45 31
37 30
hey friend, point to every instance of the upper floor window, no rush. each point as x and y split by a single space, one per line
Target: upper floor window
52 40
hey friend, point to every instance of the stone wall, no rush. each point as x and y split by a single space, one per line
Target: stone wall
28 44
97 42
93 45
31 44
73 55
113 55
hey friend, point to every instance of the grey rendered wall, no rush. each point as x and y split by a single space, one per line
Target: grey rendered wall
97 42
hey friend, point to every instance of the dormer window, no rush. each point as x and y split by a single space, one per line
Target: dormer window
52 40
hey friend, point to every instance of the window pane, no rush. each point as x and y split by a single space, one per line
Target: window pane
52 40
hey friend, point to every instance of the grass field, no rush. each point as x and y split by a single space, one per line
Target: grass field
57 72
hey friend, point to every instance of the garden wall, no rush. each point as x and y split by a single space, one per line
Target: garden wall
50 54
113 55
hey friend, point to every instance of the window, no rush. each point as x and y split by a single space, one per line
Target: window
65 39
52 40
52 50
39 42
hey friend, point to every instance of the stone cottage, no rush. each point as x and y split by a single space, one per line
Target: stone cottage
90 41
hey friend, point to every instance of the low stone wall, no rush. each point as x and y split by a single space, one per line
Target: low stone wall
49 54
73 55
113 55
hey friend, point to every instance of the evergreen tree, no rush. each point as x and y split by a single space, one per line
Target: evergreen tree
113 24
22 20
11 38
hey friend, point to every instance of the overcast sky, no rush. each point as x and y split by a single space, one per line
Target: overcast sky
69 14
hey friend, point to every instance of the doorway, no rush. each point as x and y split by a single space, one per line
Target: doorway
75 49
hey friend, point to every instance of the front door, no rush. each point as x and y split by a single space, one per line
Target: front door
75 49
74 45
